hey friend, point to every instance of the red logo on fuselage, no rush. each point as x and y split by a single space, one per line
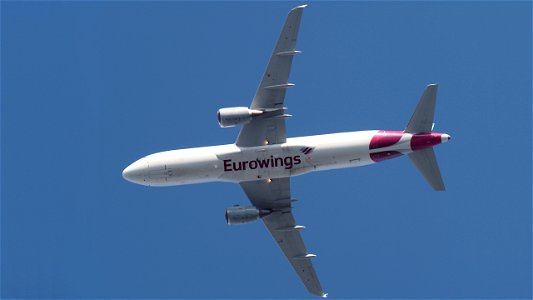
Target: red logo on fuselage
425 140
384 138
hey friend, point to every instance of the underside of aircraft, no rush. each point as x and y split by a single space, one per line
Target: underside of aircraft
263 159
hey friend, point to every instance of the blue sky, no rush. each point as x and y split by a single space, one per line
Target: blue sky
89 87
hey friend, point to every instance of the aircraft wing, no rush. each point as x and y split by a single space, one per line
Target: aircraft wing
275 196
270 95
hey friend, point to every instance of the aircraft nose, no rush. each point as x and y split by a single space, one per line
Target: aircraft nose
136 172
445 137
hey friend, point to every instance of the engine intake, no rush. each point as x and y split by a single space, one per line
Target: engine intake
241 215
233 116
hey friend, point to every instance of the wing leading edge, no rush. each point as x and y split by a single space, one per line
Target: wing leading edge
275 196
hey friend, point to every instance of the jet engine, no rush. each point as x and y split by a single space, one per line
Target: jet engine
242 215
232 116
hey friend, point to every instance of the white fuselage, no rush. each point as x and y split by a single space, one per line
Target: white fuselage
231 163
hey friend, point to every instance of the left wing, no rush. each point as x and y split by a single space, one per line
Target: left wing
269 128
274 195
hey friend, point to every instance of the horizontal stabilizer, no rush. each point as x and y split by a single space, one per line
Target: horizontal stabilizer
422 119
426 162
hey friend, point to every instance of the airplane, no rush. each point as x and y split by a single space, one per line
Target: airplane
262 160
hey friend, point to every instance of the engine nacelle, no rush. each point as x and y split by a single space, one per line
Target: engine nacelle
242 215
233 116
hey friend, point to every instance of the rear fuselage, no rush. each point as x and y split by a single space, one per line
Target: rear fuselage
296 156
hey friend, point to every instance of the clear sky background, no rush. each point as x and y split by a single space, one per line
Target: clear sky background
89 87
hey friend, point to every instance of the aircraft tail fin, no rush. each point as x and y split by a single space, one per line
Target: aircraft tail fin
422 119
426 162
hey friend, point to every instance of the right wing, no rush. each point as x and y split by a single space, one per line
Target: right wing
270 95
275 196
